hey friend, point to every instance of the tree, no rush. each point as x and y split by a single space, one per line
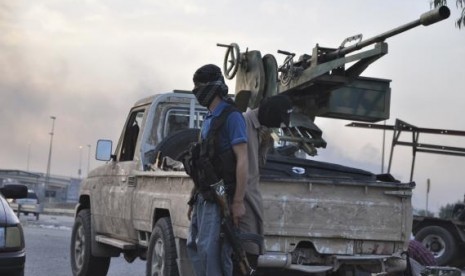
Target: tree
446 211
460 5
424 213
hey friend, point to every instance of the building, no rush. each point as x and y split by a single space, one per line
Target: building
59 189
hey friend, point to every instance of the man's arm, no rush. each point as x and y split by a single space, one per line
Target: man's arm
242 165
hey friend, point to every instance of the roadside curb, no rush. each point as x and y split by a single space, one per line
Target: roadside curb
58 211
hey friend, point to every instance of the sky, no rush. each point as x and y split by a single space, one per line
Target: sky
86 62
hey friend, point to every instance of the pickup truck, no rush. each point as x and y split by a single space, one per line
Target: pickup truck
319 217
28 205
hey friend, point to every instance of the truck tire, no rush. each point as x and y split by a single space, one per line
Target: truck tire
82 261
161 255
440 242
175 144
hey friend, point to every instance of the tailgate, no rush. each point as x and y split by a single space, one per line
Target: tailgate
337 212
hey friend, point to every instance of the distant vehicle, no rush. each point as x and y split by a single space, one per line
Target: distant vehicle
445 238
12 246
30 204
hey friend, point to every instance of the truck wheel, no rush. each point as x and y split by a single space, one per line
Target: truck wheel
161 255
175 144
440 242
82 261
37 216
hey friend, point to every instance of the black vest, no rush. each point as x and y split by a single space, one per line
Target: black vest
206 164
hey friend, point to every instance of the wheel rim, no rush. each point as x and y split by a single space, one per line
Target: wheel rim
435 244
79 247
158 256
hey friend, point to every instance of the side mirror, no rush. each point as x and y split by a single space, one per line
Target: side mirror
104 149
14 191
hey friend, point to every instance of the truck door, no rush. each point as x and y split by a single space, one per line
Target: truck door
113 202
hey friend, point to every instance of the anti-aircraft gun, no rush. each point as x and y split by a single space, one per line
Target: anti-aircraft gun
320 84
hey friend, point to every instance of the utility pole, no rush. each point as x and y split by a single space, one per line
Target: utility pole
80 162
28 155
428 186
88 159
47 176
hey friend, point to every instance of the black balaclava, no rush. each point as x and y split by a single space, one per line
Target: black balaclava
209 82
275 110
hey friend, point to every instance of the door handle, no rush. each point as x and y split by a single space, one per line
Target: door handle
132 181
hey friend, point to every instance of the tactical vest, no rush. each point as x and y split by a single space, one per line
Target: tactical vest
207 165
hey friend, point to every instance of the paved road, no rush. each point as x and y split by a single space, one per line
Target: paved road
47 249
47 245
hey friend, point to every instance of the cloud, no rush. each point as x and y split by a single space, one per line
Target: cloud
86 62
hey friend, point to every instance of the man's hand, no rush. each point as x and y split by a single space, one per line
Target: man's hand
237 211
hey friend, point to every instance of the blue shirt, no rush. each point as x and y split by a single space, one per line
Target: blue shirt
233 133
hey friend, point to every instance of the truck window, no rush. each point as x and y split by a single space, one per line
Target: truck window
178 119
130 136
199 118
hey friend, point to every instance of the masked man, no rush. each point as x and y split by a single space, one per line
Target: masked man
222 155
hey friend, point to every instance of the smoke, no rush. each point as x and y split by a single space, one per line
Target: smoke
49 66
86 62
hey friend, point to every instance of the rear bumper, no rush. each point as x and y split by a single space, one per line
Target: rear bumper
12 261
370 263
26 208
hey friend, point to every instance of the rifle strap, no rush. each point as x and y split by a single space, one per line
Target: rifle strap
212 147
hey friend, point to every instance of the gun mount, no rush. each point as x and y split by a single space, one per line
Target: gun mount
321 84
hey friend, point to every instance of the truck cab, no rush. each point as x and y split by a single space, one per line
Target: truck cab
149 122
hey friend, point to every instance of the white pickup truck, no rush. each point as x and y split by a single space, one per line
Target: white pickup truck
28 205
319 217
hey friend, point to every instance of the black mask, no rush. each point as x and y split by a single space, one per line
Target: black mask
205 93
209 82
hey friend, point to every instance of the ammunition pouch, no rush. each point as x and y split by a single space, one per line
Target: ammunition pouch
225 165
205 172
201 170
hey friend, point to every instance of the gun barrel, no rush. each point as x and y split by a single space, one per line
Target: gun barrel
434 16
425 19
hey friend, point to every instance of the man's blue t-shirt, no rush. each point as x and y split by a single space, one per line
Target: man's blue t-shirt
234 132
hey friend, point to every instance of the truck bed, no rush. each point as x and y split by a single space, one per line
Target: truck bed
333 208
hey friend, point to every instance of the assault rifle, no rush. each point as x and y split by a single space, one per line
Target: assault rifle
227 226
